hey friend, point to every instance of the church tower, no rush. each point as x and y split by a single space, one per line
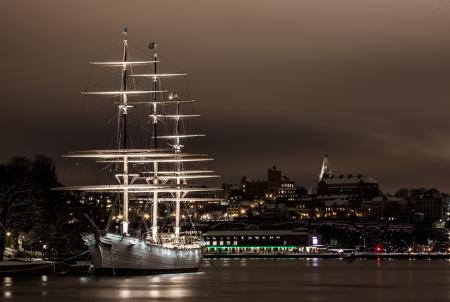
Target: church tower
326 168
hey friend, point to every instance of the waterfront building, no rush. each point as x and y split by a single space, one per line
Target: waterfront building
259 241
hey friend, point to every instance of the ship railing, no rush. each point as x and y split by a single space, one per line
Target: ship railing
169 240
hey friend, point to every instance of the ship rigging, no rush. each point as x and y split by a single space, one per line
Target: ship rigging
149 173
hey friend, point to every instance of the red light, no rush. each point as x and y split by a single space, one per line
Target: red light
378 248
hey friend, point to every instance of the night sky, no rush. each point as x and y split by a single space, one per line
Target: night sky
279 82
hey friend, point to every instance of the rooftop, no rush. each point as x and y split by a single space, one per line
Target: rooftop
349 179
255 233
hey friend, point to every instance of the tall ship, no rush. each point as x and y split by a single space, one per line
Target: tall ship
156 171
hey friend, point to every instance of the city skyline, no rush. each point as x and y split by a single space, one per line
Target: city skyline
225 150
373 94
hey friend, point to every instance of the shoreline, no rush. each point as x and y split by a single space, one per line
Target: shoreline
329 256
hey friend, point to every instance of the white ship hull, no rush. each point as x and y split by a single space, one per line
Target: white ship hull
115 254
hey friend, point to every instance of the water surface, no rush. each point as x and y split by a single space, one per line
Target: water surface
252 280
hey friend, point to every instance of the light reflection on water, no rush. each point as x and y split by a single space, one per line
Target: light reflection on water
252 280
7 281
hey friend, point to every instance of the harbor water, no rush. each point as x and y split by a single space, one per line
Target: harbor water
252 280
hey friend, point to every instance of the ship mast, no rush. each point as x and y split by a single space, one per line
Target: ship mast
177 148
124 108
155 204
154 116
152 45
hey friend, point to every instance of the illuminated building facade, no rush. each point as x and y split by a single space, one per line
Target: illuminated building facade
274 187
259 241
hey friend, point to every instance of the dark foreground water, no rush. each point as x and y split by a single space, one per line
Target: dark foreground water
252 280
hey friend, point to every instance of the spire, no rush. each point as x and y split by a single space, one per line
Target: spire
326 168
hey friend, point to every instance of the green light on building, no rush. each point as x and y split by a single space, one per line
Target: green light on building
253 247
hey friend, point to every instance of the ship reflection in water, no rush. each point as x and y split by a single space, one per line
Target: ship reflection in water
252 280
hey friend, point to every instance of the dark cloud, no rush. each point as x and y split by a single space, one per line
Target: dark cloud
279 81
